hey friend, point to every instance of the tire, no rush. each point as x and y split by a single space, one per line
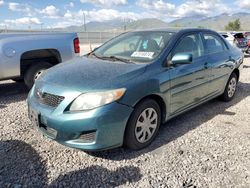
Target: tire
18 80
32 73
135 125
230 89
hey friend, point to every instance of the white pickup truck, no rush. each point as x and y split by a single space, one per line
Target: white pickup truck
23 56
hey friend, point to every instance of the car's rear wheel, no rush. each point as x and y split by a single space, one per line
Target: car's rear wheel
34 72
143 125
230 89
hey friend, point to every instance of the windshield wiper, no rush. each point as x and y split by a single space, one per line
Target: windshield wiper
93 54
115 58
90 53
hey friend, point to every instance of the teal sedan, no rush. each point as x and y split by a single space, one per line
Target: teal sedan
120 93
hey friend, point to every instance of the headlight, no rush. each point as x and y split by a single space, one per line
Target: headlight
88 101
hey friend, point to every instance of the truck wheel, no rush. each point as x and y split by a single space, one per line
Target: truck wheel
18 80
34 72
143 125
230 89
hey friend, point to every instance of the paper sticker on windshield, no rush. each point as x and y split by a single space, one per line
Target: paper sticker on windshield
143 54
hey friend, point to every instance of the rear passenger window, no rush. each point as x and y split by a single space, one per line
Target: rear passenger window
190 44
214 44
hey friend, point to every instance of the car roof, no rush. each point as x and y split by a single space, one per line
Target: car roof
174 30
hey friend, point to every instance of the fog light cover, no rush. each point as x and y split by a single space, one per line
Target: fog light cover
88 137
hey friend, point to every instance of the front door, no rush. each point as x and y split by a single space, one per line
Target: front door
189 83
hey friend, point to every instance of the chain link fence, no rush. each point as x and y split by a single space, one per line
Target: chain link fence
88 40
85 37
96 37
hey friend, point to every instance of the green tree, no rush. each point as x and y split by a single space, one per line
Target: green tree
233 26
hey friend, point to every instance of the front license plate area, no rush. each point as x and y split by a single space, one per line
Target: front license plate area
34 117
36 121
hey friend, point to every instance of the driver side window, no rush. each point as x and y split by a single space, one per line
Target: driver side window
190 44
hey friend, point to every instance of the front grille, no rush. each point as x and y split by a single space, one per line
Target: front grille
49 99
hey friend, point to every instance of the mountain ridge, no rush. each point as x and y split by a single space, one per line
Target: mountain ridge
216 22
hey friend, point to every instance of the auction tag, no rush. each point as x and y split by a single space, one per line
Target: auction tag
143 54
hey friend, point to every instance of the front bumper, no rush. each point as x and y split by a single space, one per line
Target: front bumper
104 126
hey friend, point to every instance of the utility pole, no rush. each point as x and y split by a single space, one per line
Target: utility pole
84 21
125 26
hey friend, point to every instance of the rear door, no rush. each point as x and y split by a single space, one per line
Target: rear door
218 62
189 82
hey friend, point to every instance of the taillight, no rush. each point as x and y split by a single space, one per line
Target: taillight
77 45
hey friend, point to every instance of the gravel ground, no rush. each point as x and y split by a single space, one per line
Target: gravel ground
206 147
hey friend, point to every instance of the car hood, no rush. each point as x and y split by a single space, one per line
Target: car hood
89 74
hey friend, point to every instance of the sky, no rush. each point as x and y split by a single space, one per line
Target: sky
35 14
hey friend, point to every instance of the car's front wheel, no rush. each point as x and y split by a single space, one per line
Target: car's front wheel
230 89
143 125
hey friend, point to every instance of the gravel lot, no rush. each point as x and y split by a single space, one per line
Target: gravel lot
207 147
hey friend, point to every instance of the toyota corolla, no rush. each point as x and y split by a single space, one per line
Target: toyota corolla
120 94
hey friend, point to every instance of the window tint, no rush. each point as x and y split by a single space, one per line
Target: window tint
214 43
191 44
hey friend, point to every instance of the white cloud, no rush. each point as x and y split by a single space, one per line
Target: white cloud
161 9
189 8
201 8
106 3
51 11
109 14
244 4
158 5
76 18
17 7
69 5
68 15
24 20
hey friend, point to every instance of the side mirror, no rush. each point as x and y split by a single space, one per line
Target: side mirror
182 58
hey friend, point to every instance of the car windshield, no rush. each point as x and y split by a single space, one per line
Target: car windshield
139 47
